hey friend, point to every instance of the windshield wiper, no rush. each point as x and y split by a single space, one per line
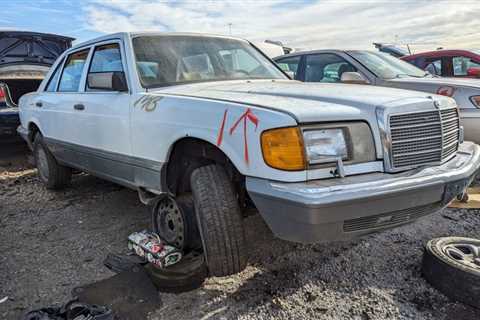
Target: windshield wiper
401 75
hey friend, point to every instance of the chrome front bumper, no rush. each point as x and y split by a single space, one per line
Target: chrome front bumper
339 209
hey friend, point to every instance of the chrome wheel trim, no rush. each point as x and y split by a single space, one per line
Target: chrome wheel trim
464 253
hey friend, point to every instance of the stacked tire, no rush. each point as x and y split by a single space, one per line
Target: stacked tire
452 265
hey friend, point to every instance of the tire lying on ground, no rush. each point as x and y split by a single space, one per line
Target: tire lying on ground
51 173
220 220
452 265
188 274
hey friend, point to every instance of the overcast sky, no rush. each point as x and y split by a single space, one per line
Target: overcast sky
298 23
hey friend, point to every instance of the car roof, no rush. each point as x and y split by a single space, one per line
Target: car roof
301 53
125 35
441 52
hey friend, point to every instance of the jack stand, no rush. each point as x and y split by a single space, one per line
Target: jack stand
463 197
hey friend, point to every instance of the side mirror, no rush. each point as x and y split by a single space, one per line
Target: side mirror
473 72
109 81
354 78
290 73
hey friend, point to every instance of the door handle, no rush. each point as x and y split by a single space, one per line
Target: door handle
79 106
38 104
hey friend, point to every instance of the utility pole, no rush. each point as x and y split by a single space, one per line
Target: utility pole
230 27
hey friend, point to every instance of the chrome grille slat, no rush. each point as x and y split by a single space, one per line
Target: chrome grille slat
426 137
433 123
417 139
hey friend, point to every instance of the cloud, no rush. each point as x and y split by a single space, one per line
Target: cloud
306 24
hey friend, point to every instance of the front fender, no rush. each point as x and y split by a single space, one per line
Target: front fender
235 128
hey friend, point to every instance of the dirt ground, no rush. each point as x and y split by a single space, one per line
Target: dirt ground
53 241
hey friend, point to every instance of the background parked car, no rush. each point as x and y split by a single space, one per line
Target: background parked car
448 63
381 69
25 58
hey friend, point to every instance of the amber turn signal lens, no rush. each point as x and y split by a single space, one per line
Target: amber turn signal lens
283 149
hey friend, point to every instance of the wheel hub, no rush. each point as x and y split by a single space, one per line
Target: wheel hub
169 222
465 253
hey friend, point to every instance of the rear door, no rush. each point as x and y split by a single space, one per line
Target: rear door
66 123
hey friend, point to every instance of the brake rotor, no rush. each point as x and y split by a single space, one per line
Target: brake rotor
169 222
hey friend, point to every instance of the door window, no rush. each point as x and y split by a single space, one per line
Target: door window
326 67
106 58
434 67
290 64
462 64
52 83
72 71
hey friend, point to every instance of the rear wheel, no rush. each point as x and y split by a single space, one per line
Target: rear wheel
50 172
220 220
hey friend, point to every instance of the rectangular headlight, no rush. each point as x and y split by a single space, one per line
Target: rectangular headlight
325 145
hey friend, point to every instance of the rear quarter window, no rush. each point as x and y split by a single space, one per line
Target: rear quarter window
52 82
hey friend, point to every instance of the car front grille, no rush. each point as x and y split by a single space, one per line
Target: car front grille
389 219
427 137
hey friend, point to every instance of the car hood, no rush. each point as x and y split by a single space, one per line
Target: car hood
306 102
440 81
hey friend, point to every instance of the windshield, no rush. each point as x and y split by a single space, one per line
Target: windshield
387 67
168 60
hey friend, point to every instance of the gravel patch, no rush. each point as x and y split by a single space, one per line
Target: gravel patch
54 241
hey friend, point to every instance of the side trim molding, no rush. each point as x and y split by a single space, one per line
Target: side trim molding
132 172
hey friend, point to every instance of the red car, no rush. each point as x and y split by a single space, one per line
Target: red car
448 63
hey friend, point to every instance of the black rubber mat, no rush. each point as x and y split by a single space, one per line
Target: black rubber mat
130 294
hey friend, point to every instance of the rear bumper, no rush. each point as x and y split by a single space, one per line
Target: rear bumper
8 124
339 209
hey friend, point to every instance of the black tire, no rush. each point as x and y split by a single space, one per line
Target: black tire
50 172
188 237
188 274
220 221
454 276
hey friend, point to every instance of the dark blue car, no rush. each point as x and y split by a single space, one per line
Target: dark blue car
25 58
